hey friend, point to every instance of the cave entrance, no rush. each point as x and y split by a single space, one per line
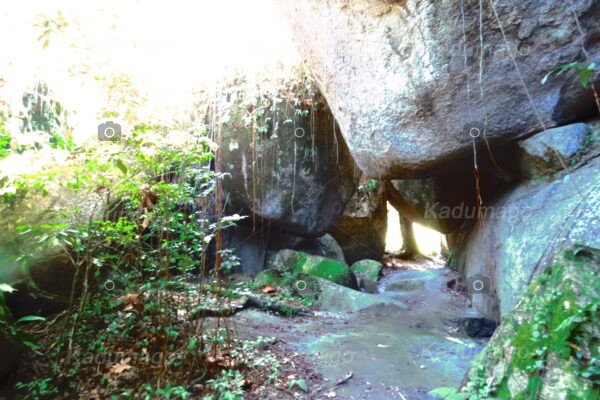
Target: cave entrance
411 239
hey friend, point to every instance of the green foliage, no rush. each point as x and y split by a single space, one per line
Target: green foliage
37 389
151 224
585 72
50 26
229 386
47 115
293 288
300 383
141 216
13 328
5 137
372 185
172 392
448 393
124 101
590 141
365 190
553 330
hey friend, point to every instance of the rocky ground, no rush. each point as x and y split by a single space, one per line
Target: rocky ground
397 344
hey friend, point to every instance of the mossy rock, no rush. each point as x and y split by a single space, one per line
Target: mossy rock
268 277
548 345
320 267
369 269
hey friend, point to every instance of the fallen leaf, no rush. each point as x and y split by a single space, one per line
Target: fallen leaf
268 289
383 345
120 366
132 298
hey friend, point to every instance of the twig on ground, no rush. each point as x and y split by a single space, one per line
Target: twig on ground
344 379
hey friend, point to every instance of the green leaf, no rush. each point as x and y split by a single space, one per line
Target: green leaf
30 318
192 344
120 164
448 393
7 288
302 384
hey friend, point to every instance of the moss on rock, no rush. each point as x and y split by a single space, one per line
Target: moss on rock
320 267
547 347
367 269
268 277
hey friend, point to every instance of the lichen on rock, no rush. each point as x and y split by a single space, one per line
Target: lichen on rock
547 347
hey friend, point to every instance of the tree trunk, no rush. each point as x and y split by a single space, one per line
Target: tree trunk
409 243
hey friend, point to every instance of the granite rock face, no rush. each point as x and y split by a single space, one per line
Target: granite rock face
523 230
402 77
324 246
286 162
361 230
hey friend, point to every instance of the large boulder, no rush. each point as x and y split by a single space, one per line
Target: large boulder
367 273
546 348
321 267
250 246
361 230
324 246
369 269
553 150
278 241
284 160
406 88
336 298
298 262
42 273
44 286
522 231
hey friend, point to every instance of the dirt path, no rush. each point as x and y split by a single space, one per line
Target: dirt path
400 349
